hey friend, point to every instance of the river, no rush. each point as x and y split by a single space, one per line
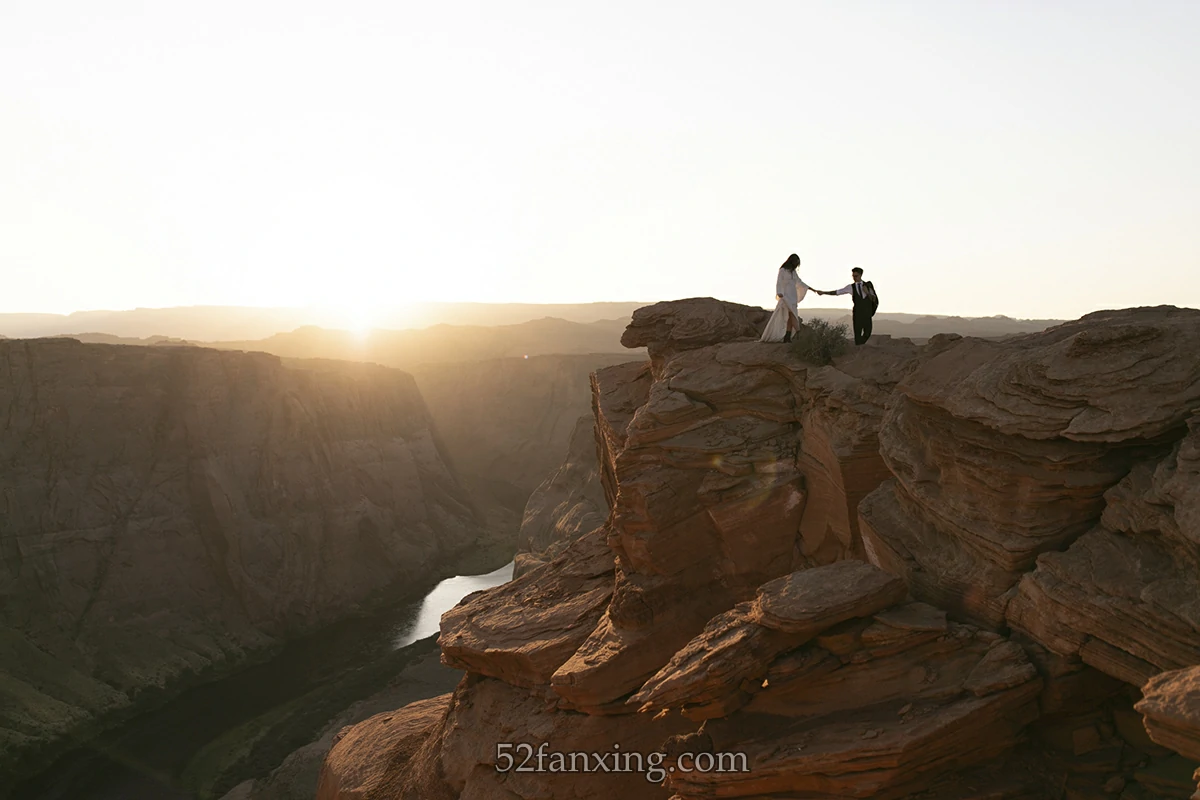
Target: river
155 756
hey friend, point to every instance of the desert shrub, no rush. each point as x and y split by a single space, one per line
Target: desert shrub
819 342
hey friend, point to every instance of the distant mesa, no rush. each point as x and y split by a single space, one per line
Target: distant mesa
241 325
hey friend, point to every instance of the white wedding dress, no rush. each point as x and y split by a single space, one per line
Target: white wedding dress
791 291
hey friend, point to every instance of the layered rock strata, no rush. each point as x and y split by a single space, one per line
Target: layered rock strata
167 511
1171 709
707 488
880 695
1002 451
1125 597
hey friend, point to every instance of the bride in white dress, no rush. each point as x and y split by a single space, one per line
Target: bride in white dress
789 291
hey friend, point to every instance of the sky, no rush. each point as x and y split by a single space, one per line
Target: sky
1033 159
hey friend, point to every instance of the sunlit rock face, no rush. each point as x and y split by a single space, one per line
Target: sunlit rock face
165 511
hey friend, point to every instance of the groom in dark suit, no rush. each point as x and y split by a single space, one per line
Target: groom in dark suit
865 303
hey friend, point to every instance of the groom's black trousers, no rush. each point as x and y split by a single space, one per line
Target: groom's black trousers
862 323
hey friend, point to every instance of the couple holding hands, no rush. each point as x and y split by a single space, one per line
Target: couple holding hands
790 290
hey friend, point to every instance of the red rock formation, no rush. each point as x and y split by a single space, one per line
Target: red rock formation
1172 709
393 737
707 490
1004 450
1039 482
1125 597
523 631
668 328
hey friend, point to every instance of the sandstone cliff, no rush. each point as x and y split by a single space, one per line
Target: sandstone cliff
166 512
917 572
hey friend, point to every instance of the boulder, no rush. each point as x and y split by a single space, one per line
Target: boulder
667 328
1171 707
523 631
366 758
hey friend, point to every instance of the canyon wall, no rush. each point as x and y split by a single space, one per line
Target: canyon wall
507 422
959 570
167 512
568 504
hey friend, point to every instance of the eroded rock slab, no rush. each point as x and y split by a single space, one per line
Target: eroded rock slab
1125 597
671 327
709 676
807 602
1171 706
872 698
523 631
367 758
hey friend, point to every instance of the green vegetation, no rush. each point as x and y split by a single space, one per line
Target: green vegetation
818 342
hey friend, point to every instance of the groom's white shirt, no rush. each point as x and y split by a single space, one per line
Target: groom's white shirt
848 288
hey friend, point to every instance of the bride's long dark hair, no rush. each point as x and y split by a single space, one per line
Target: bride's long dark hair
792 262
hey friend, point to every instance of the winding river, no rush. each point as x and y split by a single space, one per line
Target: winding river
149 757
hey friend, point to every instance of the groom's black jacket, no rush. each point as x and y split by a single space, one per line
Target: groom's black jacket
866 304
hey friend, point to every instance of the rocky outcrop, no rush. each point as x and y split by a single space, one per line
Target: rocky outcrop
394 735
1125 597
882 578
708 493
568 504
881 694
166 512
1172 710
1002 451
525 630
665 329
829 684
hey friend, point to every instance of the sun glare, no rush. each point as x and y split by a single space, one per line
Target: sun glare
358 319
